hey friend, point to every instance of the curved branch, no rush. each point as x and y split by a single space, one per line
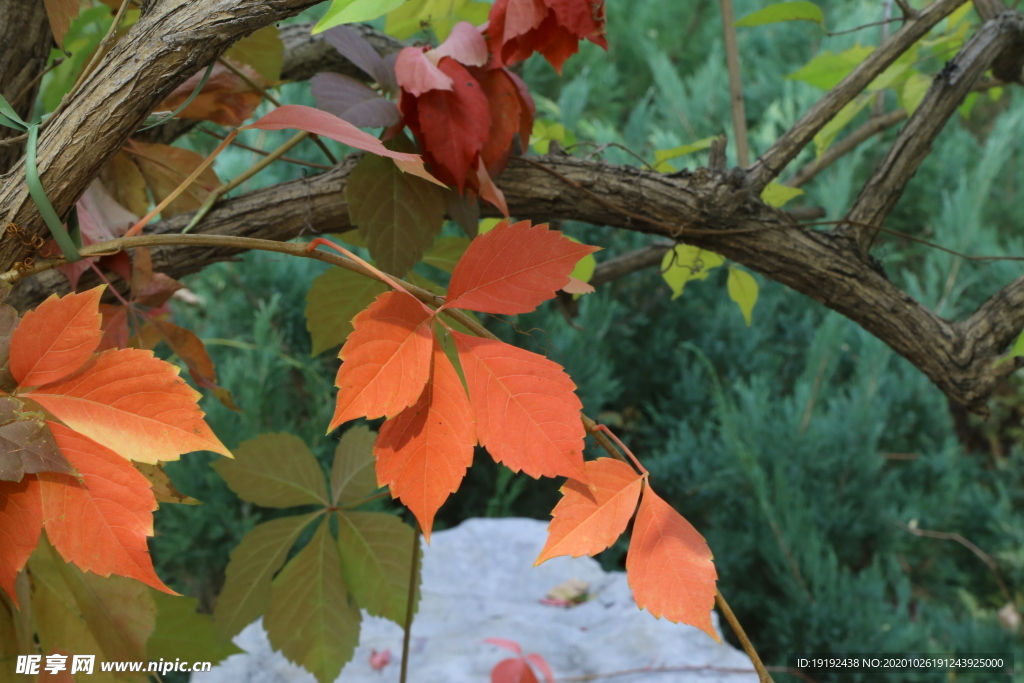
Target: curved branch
957 357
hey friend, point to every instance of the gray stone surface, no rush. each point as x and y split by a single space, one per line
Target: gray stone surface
479 582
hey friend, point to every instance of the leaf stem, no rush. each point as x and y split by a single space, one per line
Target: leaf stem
410 605
748 647
241 178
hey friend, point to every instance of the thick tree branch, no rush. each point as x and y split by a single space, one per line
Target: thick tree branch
171 41
957 357
25 41
787 147
914 142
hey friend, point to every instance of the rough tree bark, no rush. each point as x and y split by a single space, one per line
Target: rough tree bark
25 41
716 210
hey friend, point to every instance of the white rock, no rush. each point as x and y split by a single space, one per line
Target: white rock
479 582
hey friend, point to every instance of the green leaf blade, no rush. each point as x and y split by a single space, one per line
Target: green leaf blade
376 560
182 633
275 470
354 11
253 563
336 296
352 474
311 618
743 290
784 11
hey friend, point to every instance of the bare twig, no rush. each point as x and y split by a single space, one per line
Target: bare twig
732 58
410 606
748 647
256 150
978 552
871 127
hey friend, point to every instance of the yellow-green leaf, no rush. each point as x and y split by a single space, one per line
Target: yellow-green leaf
828 68
743 290
968 105
440 15
398 214
684 263
663 156
182 633
274 470
777 194
336 296
487 224
826 135
311 618
263 51
914 90
545 131
784 11
254 562
376 559
352 474
353 11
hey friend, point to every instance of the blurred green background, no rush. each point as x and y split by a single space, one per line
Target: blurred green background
805 450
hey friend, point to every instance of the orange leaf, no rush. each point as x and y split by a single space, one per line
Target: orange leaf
527 414
588 519
115 327
100 521
56 339
386 359
423 453
226 99
21 520
165 167
513 268
61 13
134 404
192 350
669 566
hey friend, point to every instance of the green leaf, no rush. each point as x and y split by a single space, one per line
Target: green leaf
254 562
487 224
352 474
826 135
545 131
263 51
743 290
335 298
312 619
446 252
784 11
183 633
968 105
914 90
398 214
777 194
684 263
274 470
828 68
440 15
354 11
663 156
376 559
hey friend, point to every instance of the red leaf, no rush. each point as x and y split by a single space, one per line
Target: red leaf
506 112
21 520
556 42
488 190
134 404
513 268
423 453
552 27
464 44
505 643
100 521
583 18
669 566
56 339
226 99
513 671
450 125
542 665
386 359
589 519
527 414
115 327
416 74
330 126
